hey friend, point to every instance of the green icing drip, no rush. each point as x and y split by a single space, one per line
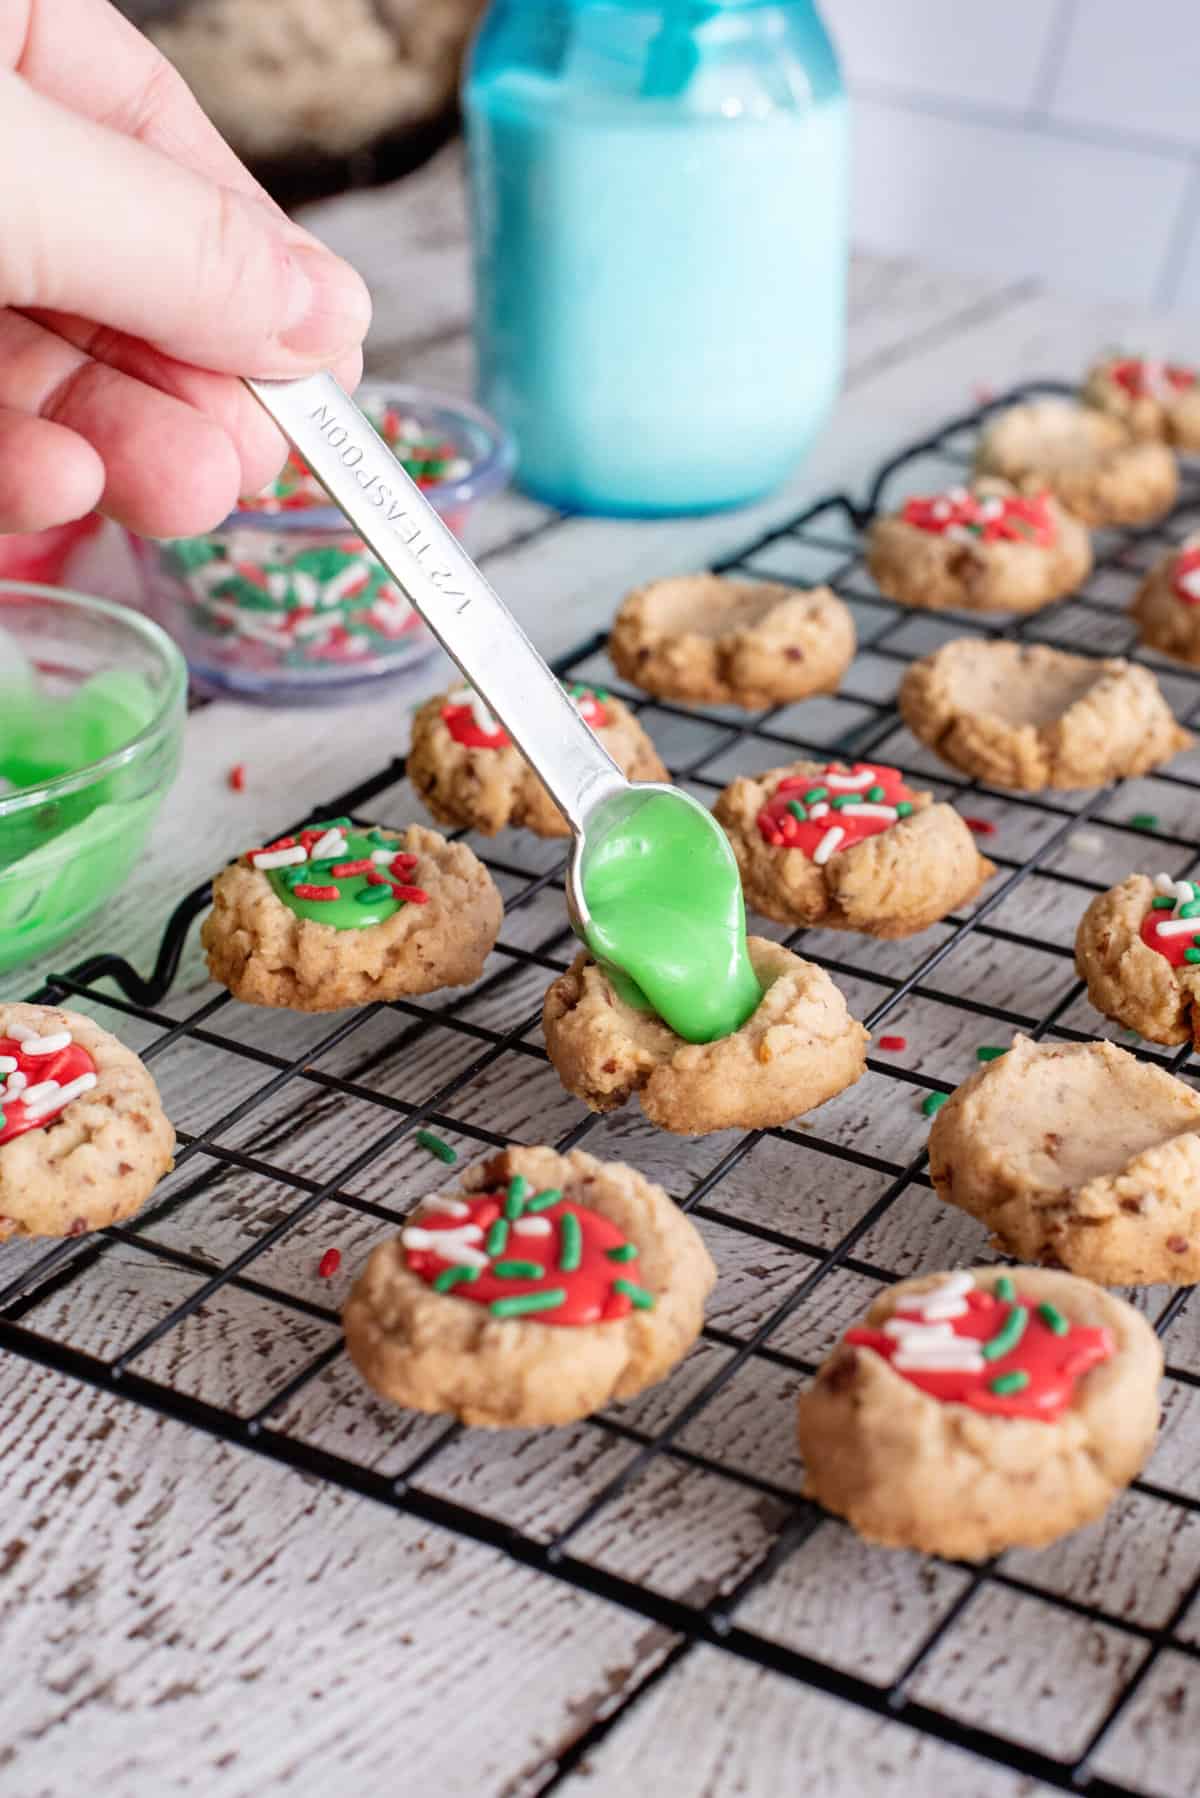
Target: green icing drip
356 905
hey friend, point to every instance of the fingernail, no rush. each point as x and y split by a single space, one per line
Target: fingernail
328 307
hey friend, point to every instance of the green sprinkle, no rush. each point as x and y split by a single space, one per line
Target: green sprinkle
544 1200
1192 955
519 1270
638 1297
433 1143
814 794
497 1237
334 824
1191 909
327 866
626 1252
1005 1289
600 693
529 1301
375 835
842 800
797 810
3 1120
933 1102
1162 903
1007 1336
1144 821
1054 1320
570 1243
373 896
518 1186
876 794
903 809
1004 1383
453 1276
986 1053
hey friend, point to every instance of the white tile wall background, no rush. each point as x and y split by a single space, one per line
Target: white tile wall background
1017 137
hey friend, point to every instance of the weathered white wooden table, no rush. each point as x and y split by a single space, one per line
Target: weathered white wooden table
180 1615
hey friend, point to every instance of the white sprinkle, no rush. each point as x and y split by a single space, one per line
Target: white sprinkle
47 1045
991 508
279 858
305 588
443 1203
1189 583
277 584
1164 883
910 1326
15 1084
384 855
930 1363
819 810
74 1089
451 1245
336 589
871 811
941 508
456 469
1085 842
532 1226
1178 927
947 1309
40 1093
958 495
8 1064
952 1284
829 842
332 843
372 917
849 782
316 626
958 533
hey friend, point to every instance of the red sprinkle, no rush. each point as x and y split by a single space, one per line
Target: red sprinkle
983 827
415 895
405 863
312 892
237 778
376 880
365 866
331 1260
279 843
893 1042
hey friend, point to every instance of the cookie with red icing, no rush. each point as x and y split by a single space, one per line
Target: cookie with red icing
1077 1155
710 638
849 846
981 1410
1167 604
545 1287
1138 948
83 1137
982 548
1156 399
471 775
1089 460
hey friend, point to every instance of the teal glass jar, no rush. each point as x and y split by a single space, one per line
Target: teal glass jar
659 217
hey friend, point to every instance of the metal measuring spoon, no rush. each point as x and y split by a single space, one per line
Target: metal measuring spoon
465 614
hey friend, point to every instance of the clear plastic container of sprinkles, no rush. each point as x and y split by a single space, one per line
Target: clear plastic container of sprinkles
283 603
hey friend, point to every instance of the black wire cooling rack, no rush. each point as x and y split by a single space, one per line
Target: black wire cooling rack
806 1223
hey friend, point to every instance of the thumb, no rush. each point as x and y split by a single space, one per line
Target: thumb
100 225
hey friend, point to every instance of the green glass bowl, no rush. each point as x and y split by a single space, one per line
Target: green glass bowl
68 842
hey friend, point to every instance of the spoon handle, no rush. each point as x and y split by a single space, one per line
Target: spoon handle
429 565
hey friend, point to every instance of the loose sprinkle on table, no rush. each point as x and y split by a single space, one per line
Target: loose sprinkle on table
983 827
933 1102
331 1260
1144 821
1085 842
986 1052
888 1043
237 777
436 1146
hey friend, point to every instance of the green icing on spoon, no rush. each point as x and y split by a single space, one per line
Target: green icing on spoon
668 919
359 901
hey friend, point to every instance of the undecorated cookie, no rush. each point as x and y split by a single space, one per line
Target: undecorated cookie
983 548
976 1411
1092 462
470 774
1138 948
1156 400
545 1287
848 848
1167 604
711 639
83 1137
345 916
1078 1156
1028 717
799 1047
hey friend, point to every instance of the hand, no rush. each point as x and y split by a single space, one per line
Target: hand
141 270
